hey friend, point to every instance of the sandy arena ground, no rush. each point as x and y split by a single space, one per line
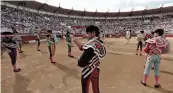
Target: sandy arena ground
121 70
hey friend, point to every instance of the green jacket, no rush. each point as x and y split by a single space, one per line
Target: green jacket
68 38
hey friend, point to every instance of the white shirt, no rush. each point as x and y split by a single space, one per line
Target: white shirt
128 34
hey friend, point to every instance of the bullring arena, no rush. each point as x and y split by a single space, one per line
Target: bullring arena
121 70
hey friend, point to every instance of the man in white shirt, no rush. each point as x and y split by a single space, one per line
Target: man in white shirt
128 36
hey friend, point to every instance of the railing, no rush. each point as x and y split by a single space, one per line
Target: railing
27 38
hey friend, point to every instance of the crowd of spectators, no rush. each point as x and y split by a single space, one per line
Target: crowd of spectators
30 22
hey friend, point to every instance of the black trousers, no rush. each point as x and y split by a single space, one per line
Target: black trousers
13 55
50 51
139 45
94 78
69 47
38 42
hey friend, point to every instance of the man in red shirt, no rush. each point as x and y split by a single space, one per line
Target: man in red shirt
154 48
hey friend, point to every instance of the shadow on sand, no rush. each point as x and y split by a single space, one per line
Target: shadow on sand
166 72
43 52
168 59
22 55
114 53
75 58
21 84
68 71
161 89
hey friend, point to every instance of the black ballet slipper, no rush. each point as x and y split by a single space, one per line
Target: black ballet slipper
71 56
53 62
143 83
157 85
20 51
18 70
